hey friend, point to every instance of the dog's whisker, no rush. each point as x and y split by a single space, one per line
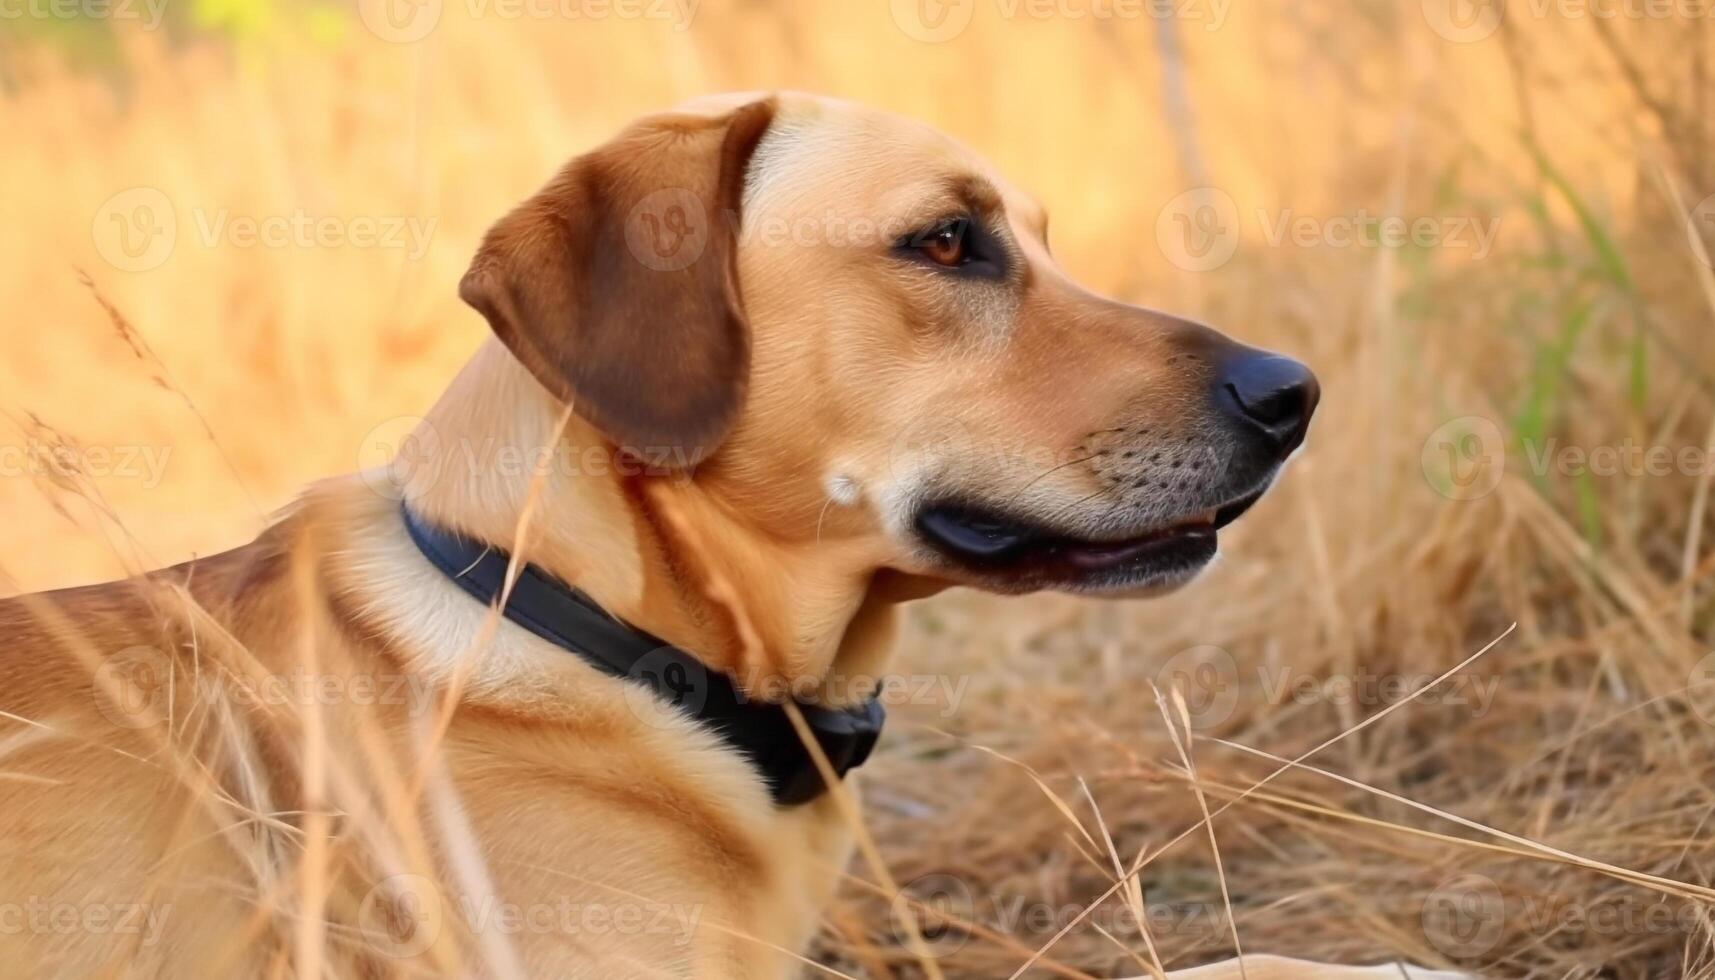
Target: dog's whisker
821 516
1050 472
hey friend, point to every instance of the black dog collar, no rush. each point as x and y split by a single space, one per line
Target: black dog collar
567 618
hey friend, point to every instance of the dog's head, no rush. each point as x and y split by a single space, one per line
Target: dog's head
853 330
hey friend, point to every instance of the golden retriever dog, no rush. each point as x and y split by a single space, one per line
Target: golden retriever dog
572 689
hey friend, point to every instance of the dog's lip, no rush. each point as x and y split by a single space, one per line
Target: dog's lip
1230 512
993 540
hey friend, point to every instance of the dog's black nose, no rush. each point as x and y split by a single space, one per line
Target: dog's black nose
1275 395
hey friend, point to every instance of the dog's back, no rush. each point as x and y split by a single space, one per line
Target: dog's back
112 800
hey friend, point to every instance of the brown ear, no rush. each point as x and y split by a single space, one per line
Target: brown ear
617 283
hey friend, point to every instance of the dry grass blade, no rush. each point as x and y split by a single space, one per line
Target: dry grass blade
1054 799
1703 267
1367 722
1180 745
974 928
866 843
163 377
1133 891
1665 885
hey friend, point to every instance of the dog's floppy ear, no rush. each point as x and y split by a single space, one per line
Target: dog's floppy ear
617 283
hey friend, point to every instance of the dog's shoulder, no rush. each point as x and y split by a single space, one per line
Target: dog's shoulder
163 609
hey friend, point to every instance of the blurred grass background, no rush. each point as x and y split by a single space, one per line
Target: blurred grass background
1584 140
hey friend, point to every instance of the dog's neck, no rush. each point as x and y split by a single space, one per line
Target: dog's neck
652 545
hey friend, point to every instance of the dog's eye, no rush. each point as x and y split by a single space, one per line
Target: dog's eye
948 245
959 245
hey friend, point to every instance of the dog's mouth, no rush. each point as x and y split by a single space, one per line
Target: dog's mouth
1020 554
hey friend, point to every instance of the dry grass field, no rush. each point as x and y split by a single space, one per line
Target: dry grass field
1489 238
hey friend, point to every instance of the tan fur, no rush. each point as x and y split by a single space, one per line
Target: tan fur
779 559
